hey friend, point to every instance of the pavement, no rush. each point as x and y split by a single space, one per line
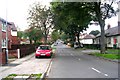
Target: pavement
25 65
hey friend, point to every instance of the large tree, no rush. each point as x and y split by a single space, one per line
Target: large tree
102 11
72 18
99 11
40 17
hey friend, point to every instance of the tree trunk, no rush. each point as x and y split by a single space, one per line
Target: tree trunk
78 39
102 25
45 32
30 41
102 38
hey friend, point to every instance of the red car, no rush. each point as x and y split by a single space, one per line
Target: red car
43 50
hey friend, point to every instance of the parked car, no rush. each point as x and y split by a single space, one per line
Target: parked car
43 50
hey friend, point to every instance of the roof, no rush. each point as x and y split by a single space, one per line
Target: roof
89 36
111 31
13 26
4 21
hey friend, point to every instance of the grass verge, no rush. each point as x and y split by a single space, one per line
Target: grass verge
31 76
108 56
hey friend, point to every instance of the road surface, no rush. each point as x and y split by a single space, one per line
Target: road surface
71 63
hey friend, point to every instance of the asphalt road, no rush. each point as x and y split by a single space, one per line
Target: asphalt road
71 63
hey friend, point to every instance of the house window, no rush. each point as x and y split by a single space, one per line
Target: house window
3 43
3 27
109 40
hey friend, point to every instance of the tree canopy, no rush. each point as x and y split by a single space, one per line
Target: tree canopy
40 17
72 18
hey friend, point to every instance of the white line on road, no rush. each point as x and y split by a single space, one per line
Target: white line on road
79 59
106 74
99 71
71 54
49 69
96 70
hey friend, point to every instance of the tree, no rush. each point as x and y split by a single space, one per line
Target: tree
101 11
98 11
55 35
34 34
71 18
20 34
40 17
94 32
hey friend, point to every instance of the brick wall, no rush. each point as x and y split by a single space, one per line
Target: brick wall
3 57
15 40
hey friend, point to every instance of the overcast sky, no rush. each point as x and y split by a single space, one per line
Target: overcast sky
17 12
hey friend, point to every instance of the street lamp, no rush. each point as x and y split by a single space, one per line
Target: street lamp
6 36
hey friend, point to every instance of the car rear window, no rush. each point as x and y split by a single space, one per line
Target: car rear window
44 48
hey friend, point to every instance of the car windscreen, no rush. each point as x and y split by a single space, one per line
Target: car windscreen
43 48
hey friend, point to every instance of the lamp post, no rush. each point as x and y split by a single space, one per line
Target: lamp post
6 36
6 43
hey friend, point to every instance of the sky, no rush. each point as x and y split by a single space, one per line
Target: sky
17 11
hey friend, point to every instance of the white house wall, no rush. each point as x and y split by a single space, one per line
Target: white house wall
112 42
87 41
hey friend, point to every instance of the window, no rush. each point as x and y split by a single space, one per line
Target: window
3 43
3 27
109 40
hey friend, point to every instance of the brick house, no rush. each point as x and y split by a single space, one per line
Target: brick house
14 38
11 38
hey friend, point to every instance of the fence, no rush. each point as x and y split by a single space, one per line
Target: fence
13 54
92 46
25 49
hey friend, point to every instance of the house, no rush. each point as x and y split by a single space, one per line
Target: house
14 37
87 38
3 39
11 38
112 37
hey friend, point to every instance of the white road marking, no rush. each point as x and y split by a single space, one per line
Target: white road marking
79 59
96 70
106 74
99 71
71 54
49 69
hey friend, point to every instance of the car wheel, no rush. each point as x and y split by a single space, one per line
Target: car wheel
36 56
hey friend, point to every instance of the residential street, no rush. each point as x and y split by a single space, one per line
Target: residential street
71 63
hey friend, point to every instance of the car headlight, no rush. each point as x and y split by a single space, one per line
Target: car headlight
37 52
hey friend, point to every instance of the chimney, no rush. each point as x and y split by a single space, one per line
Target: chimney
108 26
